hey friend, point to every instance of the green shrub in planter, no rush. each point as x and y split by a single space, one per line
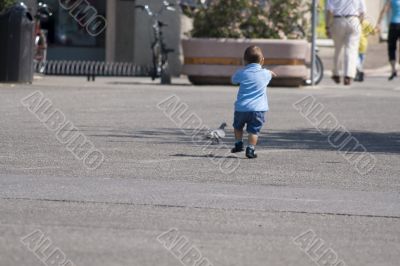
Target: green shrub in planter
271 19
6 3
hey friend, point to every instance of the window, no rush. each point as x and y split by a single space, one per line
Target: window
64 29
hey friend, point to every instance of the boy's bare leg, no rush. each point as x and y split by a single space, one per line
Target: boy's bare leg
238 134
253 139
238 141
250 151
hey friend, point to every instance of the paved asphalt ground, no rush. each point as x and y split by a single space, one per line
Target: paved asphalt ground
155 178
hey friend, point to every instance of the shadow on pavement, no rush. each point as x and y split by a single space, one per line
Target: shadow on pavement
204 156
148 83
303 139
314 140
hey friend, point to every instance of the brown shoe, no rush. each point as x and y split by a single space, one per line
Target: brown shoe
336 79
347 81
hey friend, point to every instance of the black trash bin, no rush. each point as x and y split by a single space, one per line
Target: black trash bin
16 45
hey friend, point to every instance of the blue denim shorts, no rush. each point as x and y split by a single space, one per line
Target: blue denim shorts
253 120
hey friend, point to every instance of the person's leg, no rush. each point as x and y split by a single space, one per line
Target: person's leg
253 128
251 147
253 138
361 67
392 47
352 43
393 65
359 63
238 125
338 39
398 35
361 60
238 135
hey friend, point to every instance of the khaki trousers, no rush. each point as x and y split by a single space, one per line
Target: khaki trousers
346 33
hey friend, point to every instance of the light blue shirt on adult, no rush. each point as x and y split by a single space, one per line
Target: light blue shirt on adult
252 95
395 11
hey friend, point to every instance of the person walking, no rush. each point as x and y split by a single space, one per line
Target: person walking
344 27
367 29
394 31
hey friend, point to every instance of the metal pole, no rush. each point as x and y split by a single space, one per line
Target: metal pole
313 40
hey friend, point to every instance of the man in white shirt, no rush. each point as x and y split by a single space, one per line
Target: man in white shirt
343 25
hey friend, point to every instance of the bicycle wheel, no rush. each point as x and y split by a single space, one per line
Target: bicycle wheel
165 74
319 70
156 70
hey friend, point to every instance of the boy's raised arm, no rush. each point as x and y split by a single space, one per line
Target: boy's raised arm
235 78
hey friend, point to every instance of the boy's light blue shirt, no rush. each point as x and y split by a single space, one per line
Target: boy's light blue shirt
252 95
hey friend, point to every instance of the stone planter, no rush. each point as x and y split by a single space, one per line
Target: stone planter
213 61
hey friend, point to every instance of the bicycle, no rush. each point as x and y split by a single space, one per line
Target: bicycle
318 70
160 68
319 66
43 13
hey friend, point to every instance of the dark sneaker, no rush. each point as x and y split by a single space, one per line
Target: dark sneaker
251 153
362 76
238 147
359 76
394 74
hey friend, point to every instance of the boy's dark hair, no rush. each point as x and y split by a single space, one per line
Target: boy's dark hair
253 54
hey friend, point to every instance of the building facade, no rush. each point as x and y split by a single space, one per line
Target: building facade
76 32
108 30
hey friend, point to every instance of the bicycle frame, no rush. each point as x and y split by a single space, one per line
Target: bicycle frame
319 70
159 48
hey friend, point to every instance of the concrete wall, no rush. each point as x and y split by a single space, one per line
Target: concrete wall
120 39
374 7
129 33
125 32
110 31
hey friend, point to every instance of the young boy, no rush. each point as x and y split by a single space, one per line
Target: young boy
366 29
252 101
